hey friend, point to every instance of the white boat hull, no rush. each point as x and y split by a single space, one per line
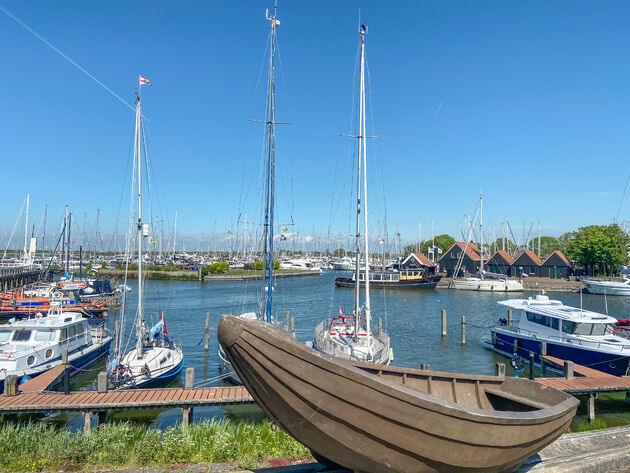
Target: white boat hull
488 285
609 288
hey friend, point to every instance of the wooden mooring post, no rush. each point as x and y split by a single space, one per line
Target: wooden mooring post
66 373
425 366
286 320
463 330
206 343
509 316
292 326
11 385
591 407
568 370
187 412
101 386
531 365
499 370
443 323
87 422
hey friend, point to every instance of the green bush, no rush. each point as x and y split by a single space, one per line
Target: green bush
259 265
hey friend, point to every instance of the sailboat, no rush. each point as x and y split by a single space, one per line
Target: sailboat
350 336
155 360
267 289
484 281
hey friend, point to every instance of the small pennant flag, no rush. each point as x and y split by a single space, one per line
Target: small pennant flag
283 237
144 81
341 312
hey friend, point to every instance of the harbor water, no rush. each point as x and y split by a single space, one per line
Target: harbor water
411 317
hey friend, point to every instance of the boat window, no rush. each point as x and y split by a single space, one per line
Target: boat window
539 319
72 331
583 329
64 335
555 323
49 353
4 335
30 360
21 335
599 329
44 336
80 329
567 326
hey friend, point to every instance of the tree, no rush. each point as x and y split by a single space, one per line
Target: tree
443 242
547 245
602 248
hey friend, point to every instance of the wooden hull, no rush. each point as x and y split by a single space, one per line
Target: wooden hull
381 419
425 283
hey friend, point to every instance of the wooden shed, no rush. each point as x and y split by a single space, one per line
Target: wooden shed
418 261
556 266
500 263
470 254
527 262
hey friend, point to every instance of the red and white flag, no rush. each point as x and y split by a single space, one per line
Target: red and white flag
162 318
341 312
144 81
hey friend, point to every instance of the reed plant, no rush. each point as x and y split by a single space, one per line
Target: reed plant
244 444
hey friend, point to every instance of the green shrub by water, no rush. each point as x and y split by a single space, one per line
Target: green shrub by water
246 444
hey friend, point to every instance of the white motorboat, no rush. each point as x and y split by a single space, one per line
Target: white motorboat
608 288
29 347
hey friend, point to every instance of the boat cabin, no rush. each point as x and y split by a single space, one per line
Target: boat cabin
550 318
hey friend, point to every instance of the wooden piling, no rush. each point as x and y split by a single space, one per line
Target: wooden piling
425 366
292 326
11 385
531 365
568 370
509 316
206 344
101 386
87 422
463 330
187 416
286 320
591 407
499 370
66 372
190 378
443 323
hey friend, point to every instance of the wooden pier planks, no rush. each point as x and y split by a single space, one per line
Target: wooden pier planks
43 381
121 400
592 381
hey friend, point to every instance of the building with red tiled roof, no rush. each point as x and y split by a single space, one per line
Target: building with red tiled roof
418 261
500 263
469 253
527 262
556 266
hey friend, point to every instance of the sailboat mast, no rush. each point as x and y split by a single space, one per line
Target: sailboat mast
28 196
271 178
139 320
481 234
357 242
362 140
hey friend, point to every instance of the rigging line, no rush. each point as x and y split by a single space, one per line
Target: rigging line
67 58
14 227
622 197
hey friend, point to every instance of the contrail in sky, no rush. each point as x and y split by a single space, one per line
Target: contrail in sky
70 60
437 111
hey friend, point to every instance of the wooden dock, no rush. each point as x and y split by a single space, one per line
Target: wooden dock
589 381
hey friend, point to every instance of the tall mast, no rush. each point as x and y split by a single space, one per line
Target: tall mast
138 139
481 233
174 236
44 232
28 196
362 133
270 121
68 229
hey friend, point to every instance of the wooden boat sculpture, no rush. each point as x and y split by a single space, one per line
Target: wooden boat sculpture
376 418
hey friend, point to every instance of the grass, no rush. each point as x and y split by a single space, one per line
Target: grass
610 411
246 445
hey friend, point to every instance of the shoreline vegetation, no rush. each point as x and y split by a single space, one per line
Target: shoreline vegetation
232 275
235 445
35 447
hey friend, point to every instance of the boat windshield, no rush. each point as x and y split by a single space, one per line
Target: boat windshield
5 335
21 335
587 329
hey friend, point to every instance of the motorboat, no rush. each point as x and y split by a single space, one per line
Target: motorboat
585 337
608 288
31 346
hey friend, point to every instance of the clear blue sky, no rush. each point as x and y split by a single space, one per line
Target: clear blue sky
525 101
